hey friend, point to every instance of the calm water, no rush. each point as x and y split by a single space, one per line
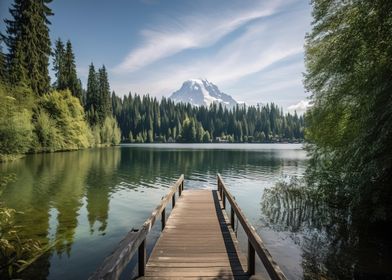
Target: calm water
88 200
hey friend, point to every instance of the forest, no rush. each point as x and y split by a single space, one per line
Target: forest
145 119
35 115
40 116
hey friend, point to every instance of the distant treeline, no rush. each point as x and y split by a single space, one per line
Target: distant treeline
145 119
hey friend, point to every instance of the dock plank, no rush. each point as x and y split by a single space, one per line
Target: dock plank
197 242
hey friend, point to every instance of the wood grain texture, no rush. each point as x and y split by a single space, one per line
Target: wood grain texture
197 242
255 243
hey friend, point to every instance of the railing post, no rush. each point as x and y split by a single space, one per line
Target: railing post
163 218
224 200
251 259
232 217
174 200
142 258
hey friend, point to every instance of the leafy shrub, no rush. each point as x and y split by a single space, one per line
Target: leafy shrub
16 129
61 124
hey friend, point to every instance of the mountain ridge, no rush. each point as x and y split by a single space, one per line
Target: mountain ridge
201 92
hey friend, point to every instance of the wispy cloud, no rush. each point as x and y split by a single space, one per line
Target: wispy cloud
300 107
261 62
192 31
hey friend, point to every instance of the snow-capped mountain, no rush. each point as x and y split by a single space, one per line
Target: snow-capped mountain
200 92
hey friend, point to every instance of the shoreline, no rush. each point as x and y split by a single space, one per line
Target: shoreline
13 157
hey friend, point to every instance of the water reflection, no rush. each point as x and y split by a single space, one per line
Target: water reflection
333 247
84 202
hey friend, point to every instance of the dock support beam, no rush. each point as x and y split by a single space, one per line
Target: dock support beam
142 258
251 259
174 200
232 218
163 218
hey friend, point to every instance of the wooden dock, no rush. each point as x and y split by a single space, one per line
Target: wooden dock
197 241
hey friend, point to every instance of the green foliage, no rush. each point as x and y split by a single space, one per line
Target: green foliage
29 44
65 69
66 128
16 129
206 137
48 134
58 65
165 119
188 132
98 104
15 253
3 66
350 124
110 133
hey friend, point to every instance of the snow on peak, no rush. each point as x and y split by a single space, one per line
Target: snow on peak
201 92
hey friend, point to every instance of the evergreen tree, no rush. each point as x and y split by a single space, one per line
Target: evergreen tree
104 105
58 65
71 79
92 96
29 44
3 66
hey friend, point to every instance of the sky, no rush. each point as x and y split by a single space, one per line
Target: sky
252 50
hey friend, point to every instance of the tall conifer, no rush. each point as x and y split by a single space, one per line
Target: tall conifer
3 66
58 65
29 45
92 93
105 108
72 82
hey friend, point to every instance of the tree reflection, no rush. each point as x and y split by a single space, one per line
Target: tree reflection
333 246
49 191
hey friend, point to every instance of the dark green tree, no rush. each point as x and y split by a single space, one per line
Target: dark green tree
104 106
29 44
349 70
3 66
71 79
92 96
58 65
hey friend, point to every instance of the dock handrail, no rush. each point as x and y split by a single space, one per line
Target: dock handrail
135 240
255 243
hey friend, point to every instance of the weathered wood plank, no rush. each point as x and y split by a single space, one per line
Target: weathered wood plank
197 242
255 243
115 263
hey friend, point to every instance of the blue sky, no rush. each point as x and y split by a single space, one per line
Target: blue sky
253 50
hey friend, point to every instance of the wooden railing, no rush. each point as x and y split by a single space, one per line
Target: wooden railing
255 244
135 241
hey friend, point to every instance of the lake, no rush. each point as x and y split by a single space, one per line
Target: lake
88 200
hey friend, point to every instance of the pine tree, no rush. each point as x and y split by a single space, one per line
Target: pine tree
29 44
58 65
92 95
72 81
3 66
104 104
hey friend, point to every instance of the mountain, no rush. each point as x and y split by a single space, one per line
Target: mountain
200 92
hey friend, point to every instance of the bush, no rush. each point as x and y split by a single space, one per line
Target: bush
110 133
60 123
16 129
